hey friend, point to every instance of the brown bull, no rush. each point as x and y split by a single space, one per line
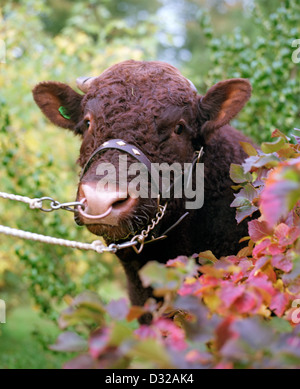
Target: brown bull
152 108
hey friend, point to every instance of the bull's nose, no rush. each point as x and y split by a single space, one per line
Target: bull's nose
103 206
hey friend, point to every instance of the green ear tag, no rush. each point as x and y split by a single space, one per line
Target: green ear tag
62 110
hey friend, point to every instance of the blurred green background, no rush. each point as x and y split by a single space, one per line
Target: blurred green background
61 40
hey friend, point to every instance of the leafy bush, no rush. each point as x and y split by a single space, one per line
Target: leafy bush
34 162
265 58
240 311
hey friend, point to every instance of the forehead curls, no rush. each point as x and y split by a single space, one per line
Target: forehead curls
133 82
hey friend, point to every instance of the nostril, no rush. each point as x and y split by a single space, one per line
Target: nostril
120 202
103 206
85 211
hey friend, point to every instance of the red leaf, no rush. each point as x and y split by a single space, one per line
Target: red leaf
274 201
229 292
263 285
190 286
260 249
174 336
246 303
282 262
224 332
258 230
278 134
286 235
279 302
275 249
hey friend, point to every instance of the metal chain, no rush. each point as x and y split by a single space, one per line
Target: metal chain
140 238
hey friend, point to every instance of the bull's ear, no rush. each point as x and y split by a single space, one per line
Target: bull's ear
223 102
59 102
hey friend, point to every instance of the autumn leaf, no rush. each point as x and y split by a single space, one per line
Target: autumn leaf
237 174
248 148
258 230
229 292
279 303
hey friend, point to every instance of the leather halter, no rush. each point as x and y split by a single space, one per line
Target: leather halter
121 145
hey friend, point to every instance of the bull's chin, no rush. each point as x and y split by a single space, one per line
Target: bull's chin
110 233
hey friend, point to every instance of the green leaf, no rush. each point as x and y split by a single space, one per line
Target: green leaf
119 334
271 147
237 174
89 300
268 160
248 148
153 351
280 325
162 279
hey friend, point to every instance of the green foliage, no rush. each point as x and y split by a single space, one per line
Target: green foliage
34 162
265 58
26 346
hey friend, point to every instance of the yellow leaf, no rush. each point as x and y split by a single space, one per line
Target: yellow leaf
212 301
264 311
244 252
190 280
208 255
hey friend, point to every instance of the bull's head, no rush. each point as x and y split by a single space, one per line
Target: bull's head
149 105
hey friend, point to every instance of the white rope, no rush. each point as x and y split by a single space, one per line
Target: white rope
36 203
96 245
33 203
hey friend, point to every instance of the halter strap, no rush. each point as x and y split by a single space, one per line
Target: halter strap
121 145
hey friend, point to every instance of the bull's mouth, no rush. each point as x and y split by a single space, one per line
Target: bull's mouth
113 213
125 218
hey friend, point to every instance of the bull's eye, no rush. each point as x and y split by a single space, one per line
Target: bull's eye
178 129
87 124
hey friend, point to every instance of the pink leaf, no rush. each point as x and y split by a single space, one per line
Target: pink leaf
98 341
282 262
145 332
260 249
179 262
174 336
279 302
246 303
258 230
261 283
230 292
286 235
